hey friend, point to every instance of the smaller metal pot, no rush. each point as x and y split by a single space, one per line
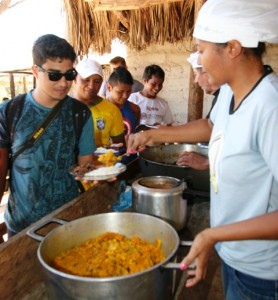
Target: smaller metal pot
161 196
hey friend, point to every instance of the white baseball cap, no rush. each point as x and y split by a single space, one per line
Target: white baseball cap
247 21
87 67
193 60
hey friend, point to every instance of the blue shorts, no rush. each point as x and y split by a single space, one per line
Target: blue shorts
240 286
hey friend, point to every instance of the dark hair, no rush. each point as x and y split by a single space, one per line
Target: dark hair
257 51
118 59
120 75
50 46
153 70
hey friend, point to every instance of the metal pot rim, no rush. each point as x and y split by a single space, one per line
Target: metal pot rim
160 154
180 185
50 269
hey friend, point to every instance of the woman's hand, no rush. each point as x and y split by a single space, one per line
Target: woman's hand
136 142
199 253
194 160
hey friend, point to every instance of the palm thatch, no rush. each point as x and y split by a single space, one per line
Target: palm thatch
90 29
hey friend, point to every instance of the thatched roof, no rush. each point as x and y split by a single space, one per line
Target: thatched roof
90 27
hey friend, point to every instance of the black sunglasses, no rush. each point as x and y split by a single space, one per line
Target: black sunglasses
55 76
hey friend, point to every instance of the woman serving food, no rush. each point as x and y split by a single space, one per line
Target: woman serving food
243 147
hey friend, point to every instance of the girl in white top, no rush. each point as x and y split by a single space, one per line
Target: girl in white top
243 149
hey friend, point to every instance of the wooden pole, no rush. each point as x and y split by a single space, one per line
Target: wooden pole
195 100
12 86
196 94
24 84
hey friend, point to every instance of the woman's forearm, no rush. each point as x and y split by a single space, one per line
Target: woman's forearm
192 132
264 227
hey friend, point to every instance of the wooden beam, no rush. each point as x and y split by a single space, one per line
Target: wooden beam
104 5
122 18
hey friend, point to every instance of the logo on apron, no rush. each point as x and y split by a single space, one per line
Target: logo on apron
100 124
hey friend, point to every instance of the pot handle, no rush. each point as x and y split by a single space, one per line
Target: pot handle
184 184
32 231
171 265
186 243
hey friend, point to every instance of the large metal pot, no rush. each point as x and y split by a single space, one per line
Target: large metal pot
161 161
160 196
153 283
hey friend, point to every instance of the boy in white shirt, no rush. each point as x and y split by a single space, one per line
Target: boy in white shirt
154 110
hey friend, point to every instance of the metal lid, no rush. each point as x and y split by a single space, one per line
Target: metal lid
159 182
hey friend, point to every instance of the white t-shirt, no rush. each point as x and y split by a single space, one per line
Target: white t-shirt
243 153
153 111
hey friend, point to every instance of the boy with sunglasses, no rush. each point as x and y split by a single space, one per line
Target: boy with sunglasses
39 178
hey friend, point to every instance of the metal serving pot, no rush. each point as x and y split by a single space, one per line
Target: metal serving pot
161 196
161 161
153 283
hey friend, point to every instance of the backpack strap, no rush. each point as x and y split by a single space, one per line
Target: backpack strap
81 113
15 106
13 112
32 139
